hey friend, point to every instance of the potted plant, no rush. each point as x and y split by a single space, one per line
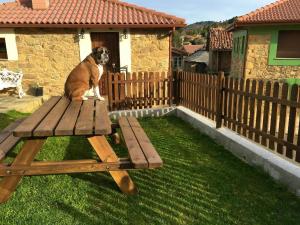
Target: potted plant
36 90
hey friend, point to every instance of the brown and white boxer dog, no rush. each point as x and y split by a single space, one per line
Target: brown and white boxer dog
86 76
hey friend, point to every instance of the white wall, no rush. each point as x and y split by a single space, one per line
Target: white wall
11 44
85 46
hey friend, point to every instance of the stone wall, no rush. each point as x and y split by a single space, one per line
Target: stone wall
257 65
150 50
46 57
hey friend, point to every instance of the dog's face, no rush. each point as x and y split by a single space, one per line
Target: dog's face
101 55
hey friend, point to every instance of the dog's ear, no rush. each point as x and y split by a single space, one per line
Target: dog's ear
95 50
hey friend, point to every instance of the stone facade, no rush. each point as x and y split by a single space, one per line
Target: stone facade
257 65
46 57
149 50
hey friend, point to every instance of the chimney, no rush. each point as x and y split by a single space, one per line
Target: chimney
40 4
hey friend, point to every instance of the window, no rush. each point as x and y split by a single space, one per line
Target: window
288 44
177 62
3 51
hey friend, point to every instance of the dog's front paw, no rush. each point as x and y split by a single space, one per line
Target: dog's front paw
101 98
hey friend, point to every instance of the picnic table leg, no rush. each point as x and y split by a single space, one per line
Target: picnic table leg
29 150
106 154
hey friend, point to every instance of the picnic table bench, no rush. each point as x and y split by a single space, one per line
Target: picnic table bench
62 117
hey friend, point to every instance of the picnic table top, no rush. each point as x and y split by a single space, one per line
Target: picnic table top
61 117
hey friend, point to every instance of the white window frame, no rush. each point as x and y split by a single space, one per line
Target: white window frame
11 44
85 45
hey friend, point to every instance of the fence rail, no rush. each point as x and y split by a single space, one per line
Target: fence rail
139 90
263 111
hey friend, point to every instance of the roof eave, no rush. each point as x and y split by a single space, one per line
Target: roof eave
103 26
263 23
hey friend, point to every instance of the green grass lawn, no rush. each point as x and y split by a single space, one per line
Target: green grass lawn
200 183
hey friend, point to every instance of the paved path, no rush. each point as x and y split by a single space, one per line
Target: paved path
27 104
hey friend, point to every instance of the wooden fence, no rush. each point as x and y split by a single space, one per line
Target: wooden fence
139 90
263 111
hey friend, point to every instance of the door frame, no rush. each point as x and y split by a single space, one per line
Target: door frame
85 45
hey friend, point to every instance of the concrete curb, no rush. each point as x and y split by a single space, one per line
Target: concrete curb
138 113
282 170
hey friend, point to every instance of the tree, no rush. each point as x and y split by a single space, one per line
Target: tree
177 40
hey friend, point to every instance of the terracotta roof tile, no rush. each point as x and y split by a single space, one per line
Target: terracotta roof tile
220 39
190 49
282 11
84 12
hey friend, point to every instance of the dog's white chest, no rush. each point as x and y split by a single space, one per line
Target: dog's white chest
101 70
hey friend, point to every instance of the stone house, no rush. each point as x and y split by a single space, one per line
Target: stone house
46 39
178 56
266 42
219 45
197 62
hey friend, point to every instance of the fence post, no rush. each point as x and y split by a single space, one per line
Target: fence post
171 80
219 102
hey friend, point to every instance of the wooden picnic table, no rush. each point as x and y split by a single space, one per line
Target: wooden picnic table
62 117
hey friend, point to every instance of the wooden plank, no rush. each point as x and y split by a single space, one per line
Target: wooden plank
230 105
235 102
134 90
246 106
151 154
116 90
252 109
6 132
140 89
106 154
102 121
7 145
184 89
292 120
85 122
202 100
225 110
77 166
266 114
25 157
211 99
198 93
66 125
164 77
282 120
110 91
240 106
25 129
122 91
135 152
48 124
219 99
274 115
151 86
129 91
146 90
214 97
258 110
157 88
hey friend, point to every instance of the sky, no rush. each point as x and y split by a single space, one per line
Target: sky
201 10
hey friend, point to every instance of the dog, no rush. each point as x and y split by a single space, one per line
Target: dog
86 76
